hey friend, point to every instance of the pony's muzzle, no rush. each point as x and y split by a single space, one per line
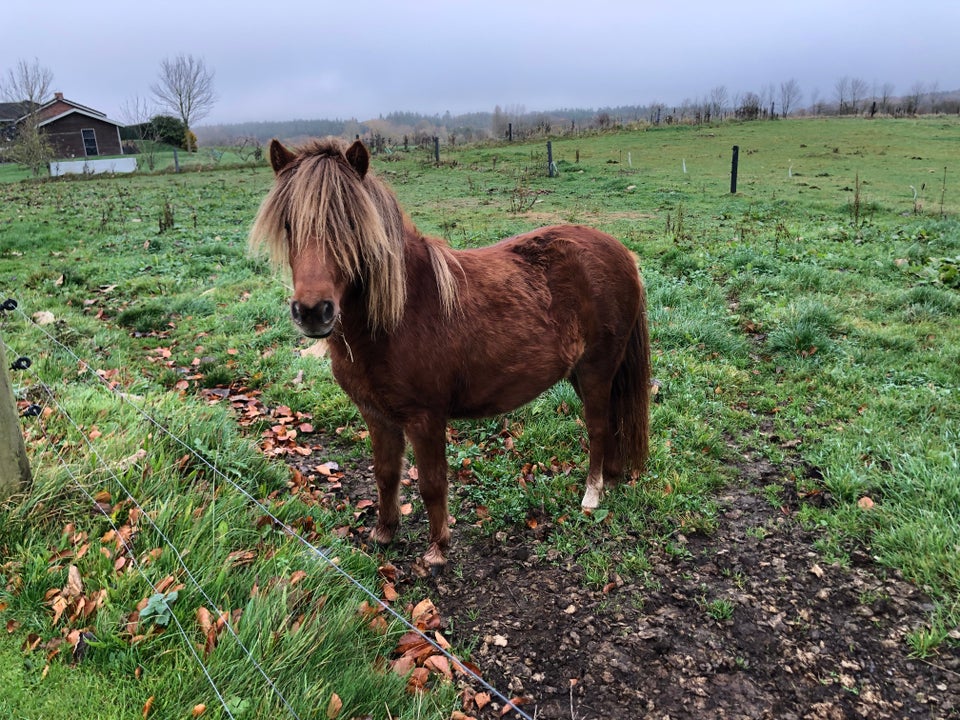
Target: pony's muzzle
314 320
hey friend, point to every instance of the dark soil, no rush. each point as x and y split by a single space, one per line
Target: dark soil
805 639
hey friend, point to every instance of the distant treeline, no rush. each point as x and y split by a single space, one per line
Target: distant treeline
414 128
851 97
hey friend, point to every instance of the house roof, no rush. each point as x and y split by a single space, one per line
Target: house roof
78 111
51 111
13 111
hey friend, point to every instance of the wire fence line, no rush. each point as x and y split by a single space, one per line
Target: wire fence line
138 565
253 501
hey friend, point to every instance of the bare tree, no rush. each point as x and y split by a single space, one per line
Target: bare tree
933 90
914 96
29 84
842 91
790 95
185 87
886 93
858 91
719 99
138 113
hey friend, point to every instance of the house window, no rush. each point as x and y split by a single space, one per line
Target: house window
89 141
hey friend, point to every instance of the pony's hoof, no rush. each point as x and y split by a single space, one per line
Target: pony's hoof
381 536
591 500
435 559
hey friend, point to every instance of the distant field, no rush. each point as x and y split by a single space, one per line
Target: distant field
809 320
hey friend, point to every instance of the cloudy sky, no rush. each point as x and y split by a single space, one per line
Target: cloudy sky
307 59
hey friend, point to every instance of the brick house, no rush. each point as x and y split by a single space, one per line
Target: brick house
74 130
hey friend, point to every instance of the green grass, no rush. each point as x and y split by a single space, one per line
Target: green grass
810 318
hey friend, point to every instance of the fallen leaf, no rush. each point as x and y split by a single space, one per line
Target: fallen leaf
425 615
334 706
418 679
402 666
74 586
148 706
198 710
317 350
439 664
390 593
204 619
865 503
513 704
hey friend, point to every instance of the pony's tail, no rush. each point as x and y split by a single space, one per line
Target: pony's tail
630 399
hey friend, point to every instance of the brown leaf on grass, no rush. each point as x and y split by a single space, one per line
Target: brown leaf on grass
163 585
148 706
417 682
198 710
317 350
204 620
238 558
12 626
334 707
390 593
74 586
439 664
378 625
387 572
60 605
425 615
402 666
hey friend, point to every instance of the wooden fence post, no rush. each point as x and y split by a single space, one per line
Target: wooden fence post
14 466
733 169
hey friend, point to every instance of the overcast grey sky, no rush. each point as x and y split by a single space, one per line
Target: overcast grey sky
289 59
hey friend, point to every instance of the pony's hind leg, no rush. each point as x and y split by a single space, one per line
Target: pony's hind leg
388 445
428 437
595 395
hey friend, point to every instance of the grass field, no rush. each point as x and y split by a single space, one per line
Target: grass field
810 319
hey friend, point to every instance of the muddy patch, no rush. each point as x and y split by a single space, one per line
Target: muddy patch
746 622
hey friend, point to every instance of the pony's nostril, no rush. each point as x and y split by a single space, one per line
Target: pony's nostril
327 311
295 311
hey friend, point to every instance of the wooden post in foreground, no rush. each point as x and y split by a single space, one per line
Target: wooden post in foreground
733 169
14 466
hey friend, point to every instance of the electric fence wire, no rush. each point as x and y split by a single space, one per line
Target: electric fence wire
166 540
284 526
127 546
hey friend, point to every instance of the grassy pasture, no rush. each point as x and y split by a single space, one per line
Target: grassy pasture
810 319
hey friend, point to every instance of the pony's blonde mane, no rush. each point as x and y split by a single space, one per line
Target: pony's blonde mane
320 202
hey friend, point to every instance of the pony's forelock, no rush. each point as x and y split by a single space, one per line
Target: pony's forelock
319 201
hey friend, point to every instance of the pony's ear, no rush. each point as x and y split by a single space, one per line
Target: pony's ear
280 157
359 158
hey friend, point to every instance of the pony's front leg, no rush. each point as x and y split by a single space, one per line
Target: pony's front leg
388 445
428 437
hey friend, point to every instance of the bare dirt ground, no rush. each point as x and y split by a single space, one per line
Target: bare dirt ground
803 639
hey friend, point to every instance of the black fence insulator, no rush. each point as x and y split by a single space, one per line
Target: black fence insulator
21 363
32 410
8 304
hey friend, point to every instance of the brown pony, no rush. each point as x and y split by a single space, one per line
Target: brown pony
420 333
